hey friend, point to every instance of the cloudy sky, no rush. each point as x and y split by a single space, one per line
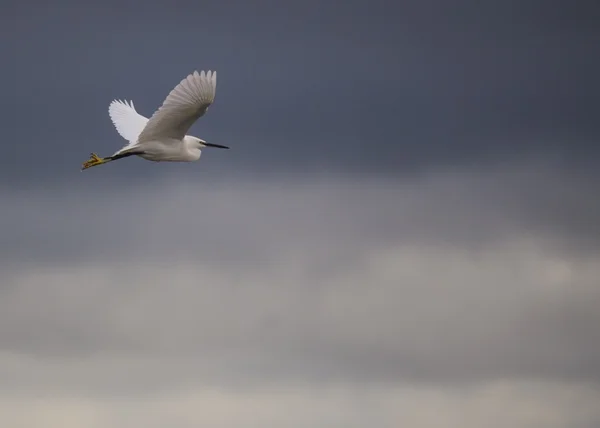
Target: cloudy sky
404 232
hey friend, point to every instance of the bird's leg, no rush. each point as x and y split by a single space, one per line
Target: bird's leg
94 160
97 160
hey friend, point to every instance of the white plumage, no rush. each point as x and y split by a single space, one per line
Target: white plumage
163 136
128 122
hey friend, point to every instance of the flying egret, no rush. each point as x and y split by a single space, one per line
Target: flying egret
162 138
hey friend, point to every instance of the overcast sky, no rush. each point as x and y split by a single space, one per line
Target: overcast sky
404 232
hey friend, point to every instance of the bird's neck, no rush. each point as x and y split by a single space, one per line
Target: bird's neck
191 150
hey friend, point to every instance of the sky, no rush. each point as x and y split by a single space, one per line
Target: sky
403 233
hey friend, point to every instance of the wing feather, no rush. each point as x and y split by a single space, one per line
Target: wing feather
185 104
128 122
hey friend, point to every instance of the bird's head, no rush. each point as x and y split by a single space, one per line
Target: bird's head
201 144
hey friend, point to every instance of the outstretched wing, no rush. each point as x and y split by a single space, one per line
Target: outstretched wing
187 102
127 120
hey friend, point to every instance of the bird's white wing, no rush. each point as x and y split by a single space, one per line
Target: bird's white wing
127 120
187 102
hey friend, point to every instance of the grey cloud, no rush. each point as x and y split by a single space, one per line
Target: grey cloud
452 277
247 222
496 405
439 316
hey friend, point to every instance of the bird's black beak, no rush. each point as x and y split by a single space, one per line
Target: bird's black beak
215 145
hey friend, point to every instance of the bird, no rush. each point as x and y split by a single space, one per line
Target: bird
162 138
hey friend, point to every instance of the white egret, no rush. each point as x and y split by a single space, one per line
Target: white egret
162 138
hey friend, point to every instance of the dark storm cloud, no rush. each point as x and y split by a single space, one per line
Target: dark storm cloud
384 87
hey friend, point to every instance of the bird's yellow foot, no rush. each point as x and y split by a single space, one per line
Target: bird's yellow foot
93 161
